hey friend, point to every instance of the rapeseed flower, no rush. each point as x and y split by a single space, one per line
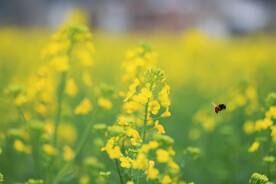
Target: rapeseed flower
84 107
254 147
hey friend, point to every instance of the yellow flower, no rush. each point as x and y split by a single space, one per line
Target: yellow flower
254 147
152 173
166 179
147 93
105 103
134 85
84 179
115 153
271 113
60 63
20 100
84 107
162 156
173 165
19 145
166 113
130 107
126 162
154 107
153 144
129 182
151 164
71 87
122 121
50 150
159 127
68 153
248 127
263 124
41 109
141 162
164 96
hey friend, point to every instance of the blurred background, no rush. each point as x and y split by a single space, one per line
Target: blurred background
217 17
211 50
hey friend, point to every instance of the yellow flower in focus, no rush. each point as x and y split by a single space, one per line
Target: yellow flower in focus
166 180
126 162
164 99
254 147
147 93
162 156
166 113
84 107
20 100
248 127
68 153
105 103
60 63
130 107
122 121
152 173
115 153
49 150
129 182
159 127
154 107
71 87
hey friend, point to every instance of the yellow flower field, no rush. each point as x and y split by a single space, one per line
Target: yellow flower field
81 106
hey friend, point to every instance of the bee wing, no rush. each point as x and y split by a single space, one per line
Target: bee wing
214 104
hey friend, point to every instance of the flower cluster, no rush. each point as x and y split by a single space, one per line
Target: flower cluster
265 130
145 150
257 178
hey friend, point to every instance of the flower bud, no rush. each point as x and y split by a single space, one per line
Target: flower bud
271 99
257 178
164 140
269 159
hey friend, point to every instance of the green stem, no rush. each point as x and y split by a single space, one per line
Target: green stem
63 171
143 135
59 107
119 171
34 152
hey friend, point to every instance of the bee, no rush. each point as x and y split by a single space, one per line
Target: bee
218 107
